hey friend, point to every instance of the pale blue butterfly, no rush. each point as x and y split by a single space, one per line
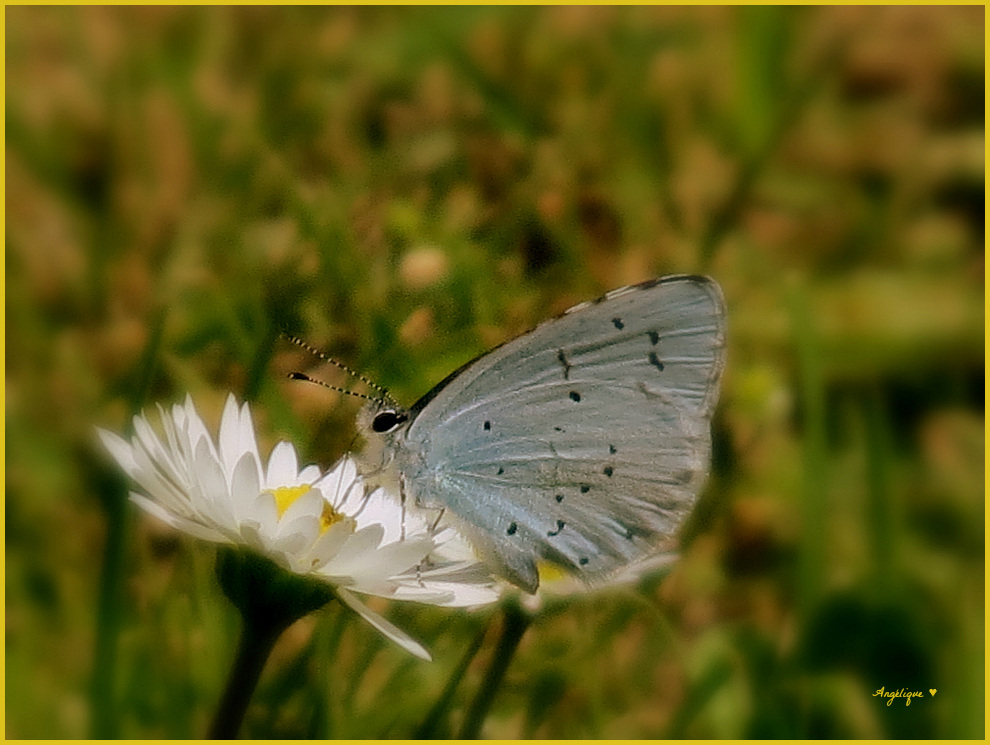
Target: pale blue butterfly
583 442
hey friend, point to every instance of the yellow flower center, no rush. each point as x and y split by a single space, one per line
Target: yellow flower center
286 495
329 516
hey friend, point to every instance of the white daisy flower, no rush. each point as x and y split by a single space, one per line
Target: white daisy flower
318 525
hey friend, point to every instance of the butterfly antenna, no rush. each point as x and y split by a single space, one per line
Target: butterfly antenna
317 353
308 379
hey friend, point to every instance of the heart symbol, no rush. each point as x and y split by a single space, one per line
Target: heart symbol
932 691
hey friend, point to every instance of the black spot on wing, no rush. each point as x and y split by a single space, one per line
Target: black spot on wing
608 471
500 471
562 359
575 396
583 560
617 322
654 337
585 488
560 527
611 449
511 530
559 497
655 361
487 426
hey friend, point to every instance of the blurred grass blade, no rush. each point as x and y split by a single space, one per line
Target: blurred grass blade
431 726
755 163
881 513
503 104
328 636
103 693
812 403
766 33
699 695
259 365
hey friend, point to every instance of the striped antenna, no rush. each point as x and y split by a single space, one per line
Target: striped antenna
304 376
317 353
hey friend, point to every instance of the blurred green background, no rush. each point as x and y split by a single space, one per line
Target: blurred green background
406 187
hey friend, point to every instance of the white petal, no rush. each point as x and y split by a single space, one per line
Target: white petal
247 442
384 510
157 458
458 595
307 526
168 424
196 429
146 437
417 594
471 572
264 514
355 551
338 483
283 467
117 447
308 504
187 451
244 486
297 541
172 494
210 476
389 560
380 507
452 546
309 475
252 537
392 632
230 449
194 529
328 544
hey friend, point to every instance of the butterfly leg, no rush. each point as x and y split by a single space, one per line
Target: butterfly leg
436 522
402 503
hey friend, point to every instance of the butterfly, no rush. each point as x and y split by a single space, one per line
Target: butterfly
583 442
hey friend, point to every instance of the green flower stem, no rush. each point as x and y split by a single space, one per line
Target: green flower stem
517 621
270 599
255 645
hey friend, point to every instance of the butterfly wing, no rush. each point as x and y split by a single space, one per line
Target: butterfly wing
584 441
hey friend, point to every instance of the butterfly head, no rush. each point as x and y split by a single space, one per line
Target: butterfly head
388 420
381 423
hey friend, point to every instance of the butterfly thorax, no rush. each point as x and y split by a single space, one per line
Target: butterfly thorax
389 458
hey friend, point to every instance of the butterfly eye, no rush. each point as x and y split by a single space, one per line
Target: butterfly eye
386 421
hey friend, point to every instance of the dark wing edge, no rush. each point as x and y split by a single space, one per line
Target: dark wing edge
710 285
